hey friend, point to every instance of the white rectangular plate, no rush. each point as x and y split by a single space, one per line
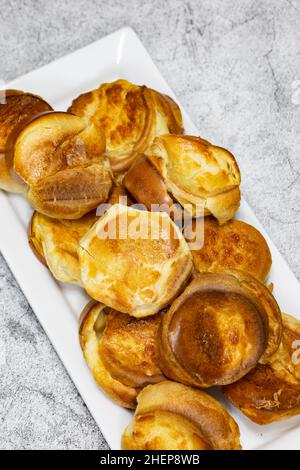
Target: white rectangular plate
119 55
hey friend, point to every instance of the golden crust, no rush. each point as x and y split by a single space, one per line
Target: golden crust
271 391
146 185
55 243
129 270
90 341
61 160
172 416
214 333
129 349
131 116
203 178
271 307
18 107
234 245
119 195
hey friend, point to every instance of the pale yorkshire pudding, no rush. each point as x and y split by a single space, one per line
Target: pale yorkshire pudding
134 261
55 243
61 160
172 416
16 107
234 245
131 116
92 324
203 178
271 391
129 349
214 333
270 306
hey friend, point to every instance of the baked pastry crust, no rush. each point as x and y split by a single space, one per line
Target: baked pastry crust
61 160
203 178
271 391
129 349
214 333
55 243
271 307
140 268
172 416
131 116
234 245
92 323
18 107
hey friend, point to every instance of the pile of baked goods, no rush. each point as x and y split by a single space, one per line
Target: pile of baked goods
167 318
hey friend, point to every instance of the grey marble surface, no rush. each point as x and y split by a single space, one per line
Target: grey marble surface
235 65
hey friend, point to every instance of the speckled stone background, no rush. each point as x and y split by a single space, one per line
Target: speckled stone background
235 65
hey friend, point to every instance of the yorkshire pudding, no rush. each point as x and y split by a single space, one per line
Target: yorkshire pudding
55 243
92 324
134 261
172 416
271 391
270 306
214 333
131 116
17 107
203 178
61 160
129 349
234 245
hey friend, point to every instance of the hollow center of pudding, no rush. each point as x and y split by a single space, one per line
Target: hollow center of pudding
217 336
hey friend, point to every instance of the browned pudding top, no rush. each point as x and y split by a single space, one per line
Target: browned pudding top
18 107
129 349
216 334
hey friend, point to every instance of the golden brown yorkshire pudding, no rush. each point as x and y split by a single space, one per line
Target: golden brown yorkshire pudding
61 160
16 107
172 416
203 178
55 243
214 333
271 391
234 245
129 349
131 116
134 261
92 324
270 306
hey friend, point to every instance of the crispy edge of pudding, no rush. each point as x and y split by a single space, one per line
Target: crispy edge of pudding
129 349
92 324
271 307
173 416
55 243
18 107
